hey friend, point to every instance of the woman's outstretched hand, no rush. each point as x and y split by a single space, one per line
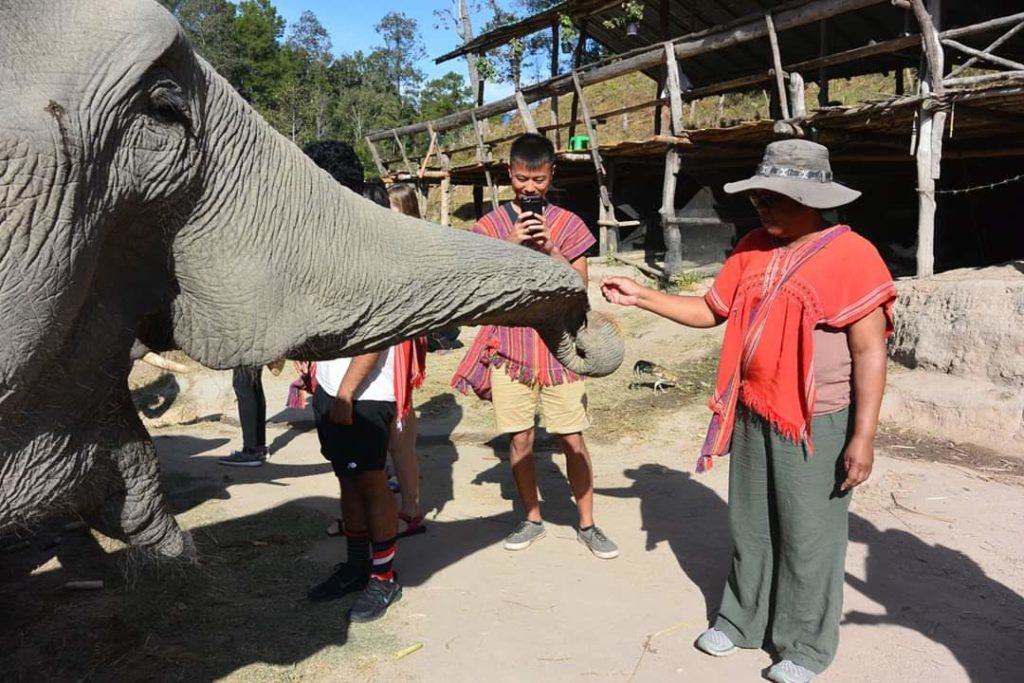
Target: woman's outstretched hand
621 290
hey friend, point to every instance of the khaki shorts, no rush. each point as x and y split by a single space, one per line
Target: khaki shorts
563 407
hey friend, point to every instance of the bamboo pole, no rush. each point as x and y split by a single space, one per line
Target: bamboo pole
797 95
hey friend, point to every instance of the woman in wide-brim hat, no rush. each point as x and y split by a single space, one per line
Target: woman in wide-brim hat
799 387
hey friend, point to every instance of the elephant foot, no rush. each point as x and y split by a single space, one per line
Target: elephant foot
134 509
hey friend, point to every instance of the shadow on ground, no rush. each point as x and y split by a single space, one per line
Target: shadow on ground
242 604
945 596
690 517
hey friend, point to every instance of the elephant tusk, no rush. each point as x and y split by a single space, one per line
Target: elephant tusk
158 361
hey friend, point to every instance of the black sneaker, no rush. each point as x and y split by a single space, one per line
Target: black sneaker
374 601
345 579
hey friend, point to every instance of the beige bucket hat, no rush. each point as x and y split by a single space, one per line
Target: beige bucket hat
800 170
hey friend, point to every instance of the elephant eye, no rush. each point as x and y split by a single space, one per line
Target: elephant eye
167 104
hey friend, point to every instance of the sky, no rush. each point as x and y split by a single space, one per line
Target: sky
350 23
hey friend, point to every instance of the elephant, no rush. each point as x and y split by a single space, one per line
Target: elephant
142 198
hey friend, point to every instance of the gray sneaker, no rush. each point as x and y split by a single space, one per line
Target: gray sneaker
245 458
598 543
715 643
525 533
787 671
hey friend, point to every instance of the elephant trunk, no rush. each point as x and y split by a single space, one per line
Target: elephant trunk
279 260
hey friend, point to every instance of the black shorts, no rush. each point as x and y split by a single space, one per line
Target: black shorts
359 447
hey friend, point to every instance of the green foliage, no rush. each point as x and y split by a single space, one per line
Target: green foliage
404 47
632 12
445 95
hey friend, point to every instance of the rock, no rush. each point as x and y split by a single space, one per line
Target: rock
962 334
967 322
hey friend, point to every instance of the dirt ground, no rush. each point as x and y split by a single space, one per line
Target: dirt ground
935 568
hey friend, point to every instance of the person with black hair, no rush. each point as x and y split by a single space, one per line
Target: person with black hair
511 366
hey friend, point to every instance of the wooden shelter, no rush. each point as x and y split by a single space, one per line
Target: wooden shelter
970 92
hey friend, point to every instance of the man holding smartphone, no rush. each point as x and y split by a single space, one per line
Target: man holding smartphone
511 366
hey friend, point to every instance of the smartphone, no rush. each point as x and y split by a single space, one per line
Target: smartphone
532 202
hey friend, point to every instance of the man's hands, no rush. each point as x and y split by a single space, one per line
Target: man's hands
858 459
531 231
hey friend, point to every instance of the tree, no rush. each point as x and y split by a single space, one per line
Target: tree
445 95
310 46
404 47
258 69
457 14
207 24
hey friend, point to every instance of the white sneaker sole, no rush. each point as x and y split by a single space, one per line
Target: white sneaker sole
602 554
523 545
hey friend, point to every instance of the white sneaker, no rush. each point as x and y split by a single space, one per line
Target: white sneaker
715 643
788 672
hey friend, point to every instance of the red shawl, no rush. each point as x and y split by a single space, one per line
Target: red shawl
774 297
410 371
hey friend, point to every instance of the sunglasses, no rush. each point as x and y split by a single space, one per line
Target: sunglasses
764 200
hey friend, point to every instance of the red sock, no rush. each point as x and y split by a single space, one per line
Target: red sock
383 555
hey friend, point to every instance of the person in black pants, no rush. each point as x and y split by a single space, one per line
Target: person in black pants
252 416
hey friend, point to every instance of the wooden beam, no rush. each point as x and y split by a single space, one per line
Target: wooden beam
738 32
555 46
430 151
381 170
931 124
524 113
482 157
670 229
993 46
780 76
823 99
675 97
577 57
401 148
605 210
984 78
983 54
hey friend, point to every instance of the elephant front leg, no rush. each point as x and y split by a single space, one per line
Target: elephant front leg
134 508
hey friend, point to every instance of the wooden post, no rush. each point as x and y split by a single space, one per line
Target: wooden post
555 46
577 57
524 113
823 99
780 83
401 148
670 229
675 95
483 157
988 50
796 95
381 170
478 192
446 188
929 138
605 211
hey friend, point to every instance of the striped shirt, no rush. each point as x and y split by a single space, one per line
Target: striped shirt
520 350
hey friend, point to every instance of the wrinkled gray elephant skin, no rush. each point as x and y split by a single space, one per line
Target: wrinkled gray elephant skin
139 195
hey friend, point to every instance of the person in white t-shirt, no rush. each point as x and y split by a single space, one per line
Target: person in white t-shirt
354 407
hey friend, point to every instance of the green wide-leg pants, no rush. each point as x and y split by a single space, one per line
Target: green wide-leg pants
789 526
